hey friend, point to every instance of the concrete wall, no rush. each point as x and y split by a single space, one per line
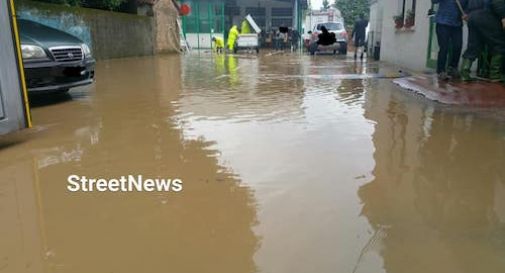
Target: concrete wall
110 34
407 48
376 20
167 32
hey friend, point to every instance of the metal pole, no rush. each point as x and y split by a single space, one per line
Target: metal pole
222 19
210 21
197 17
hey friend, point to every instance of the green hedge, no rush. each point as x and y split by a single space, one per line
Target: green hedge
113 5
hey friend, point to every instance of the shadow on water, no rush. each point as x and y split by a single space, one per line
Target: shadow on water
125 128
40 100
436 200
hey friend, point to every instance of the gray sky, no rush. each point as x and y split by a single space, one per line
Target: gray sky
317 4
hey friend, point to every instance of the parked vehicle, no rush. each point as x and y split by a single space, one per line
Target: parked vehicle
315 17
340 34
249 41
54 60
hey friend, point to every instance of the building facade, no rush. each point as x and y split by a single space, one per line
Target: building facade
215 17
413 44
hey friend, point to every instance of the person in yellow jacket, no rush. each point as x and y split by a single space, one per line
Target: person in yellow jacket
232 37
244 27
218 44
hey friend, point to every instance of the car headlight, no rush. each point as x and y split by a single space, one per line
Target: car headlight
86 50
32 52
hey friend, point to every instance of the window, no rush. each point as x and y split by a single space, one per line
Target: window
232 11
254 11
278 12
330 26
407 11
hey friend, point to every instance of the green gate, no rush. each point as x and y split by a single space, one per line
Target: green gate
205 20
431 58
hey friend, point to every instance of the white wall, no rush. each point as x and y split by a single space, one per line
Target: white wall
205 39
375 23
406 48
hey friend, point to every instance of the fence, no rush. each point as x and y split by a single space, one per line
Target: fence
205 20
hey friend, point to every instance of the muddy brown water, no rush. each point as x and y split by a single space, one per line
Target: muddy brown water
311 172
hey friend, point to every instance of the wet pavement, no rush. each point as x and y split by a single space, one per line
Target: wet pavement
478 93
290 164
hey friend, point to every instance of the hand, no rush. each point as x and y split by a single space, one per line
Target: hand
503 23
465 17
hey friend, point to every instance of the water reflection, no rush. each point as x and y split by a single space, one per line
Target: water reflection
437 196
123 127
290 163
285 134
239 92
353 174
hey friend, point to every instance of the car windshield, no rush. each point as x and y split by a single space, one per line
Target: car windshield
330 26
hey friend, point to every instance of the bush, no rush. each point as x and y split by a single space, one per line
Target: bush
96 4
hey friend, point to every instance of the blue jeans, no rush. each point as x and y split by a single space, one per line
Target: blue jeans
449 37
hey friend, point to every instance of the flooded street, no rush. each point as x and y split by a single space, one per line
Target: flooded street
290 163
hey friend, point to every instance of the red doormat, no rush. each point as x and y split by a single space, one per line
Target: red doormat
477 93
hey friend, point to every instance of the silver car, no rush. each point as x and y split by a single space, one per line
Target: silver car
340 34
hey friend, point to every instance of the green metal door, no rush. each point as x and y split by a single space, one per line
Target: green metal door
431 58
206 19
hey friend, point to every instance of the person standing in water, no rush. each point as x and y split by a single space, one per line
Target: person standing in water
484 28
449 28
232 38
359 35
244 27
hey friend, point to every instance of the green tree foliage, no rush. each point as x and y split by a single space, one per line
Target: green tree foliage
62 2
97 4
326 4
103 4
352 9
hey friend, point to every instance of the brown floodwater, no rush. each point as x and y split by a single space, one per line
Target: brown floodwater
290 164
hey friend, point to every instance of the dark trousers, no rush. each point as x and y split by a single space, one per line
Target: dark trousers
449 37
359 41
484 29
313 48
276 43
294 43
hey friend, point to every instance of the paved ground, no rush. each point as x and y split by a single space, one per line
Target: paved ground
290 163
473 94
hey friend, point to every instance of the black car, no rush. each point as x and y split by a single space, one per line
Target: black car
54 60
